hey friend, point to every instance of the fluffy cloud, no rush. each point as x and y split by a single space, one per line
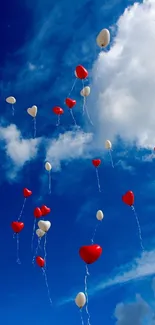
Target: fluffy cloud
132 313
68 146
17 149
123 79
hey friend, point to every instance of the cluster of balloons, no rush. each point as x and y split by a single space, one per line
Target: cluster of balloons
88 253
41 231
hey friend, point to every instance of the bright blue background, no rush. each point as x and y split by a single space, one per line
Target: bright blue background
49 34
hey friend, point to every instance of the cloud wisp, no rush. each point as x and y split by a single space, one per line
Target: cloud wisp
139 269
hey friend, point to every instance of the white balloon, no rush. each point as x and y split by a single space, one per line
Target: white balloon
48 166
99 215
108 144
75 74
40 233
103 38
80 299
11 100
32 111
85 91
44 225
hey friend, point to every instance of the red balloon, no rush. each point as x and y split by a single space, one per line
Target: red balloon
90 254
96 162
27 192
17 226
40 261
58 110
70 102
45 210
37 212
128 198
81 72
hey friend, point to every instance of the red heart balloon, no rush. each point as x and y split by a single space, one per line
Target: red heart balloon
90 254
37 212
128 198
70 102
40 261
17 226
45 210
58 110
96 162
81 72
27 192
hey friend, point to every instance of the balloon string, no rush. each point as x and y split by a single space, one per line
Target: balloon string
98 180
71 112
82 321
92 240
13 110
84 100
45 252
139 228
58 122
34 225
21 212
18 260
35 127
111 158
83 107
36 252
72 87
49 182
86 293
88 115
46 282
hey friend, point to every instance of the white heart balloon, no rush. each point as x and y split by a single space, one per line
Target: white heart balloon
85 91
99 215
44 225
80 299
11 100
32 111
40 233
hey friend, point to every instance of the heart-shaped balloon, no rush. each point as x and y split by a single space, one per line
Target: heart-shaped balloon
44 225
70 102
27 192
90 254
32 111
40 233
128 198
81 72
58 110
45 210
40 261
96 162
37 213
17 226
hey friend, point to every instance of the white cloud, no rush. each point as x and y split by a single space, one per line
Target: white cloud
17 149
123 84
133 313
67 146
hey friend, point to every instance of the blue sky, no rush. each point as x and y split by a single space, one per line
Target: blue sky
41 44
